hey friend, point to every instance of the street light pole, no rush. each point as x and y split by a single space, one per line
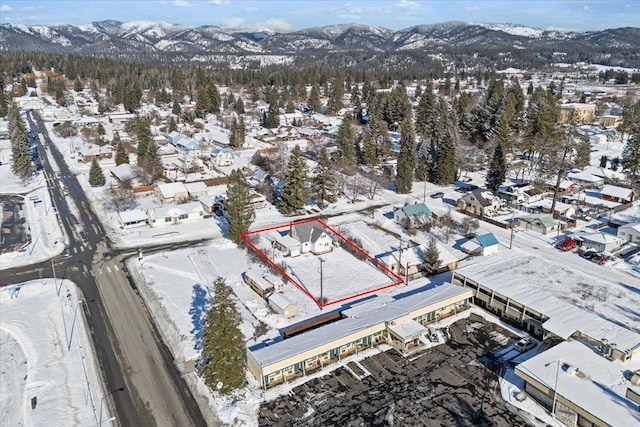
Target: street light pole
102 404
555 387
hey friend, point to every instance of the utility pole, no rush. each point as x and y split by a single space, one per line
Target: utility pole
321 290
399 255
53 268
513 214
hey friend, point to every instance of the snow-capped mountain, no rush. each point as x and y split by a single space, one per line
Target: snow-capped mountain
147 40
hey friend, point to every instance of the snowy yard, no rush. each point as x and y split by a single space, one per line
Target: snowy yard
46 358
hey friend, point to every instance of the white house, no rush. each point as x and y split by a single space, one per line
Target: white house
167 215
416 213
601 242
221 156
133 218
629 232
196 189
285 243
172 192
617 194
312 238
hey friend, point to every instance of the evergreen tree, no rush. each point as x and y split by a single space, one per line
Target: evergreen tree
631 157
4 105
176 109
173 126
497 173
20 154
272 120
397 106
346 144
238 133
324 181
239 106
96 176
376 143
222 363
290 108
313 103
334 104
406 158
153 164
121 154
238 211
431 261
294 193
426 114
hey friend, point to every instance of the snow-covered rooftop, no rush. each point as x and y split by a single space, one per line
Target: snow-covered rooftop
554 290
600 388
304 342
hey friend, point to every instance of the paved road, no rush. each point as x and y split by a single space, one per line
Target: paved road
142 381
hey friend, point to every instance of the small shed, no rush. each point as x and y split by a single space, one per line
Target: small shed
133 218
542 223
485 244
281 305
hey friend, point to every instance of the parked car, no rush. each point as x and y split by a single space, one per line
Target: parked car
600 259
437 195
433 335
525 344
589 254
567 244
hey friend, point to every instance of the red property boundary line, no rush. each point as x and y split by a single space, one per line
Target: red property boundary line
398 280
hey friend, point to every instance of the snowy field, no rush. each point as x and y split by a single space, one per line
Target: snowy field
343 275
46 359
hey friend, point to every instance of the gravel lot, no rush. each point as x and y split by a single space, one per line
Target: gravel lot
452 384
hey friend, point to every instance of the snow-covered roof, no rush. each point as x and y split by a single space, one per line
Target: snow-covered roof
545 219
619 192
595 237
408 330
175 211
280 300
527 278
282 350
196 187
583 177
170 189
599 386
133 215
123 172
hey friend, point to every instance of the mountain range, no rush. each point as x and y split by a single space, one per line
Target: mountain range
211 44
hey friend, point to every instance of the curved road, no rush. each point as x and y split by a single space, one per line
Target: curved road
142 380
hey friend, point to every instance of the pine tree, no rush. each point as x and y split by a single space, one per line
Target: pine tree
176 109
406 158
294 193
272 119
431 261
324 181
631 152
96 176
346 144
238 132
238 211
121 154
4 105
426 113
313 103
20 154
153 164
222 363
497 173
173 126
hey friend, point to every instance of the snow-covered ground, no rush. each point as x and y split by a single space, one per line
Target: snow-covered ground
46 358
47 237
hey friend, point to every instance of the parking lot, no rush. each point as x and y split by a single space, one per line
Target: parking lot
452 384
14 232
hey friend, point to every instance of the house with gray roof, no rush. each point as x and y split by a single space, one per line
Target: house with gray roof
312 238
542 223
479 202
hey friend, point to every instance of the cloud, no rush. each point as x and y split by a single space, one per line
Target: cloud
277 24
251 9
588 9
5 8
28 9
406 5
219 2
182 3
471 8
233 22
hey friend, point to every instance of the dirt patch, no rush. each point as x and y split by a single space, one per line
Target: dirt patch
453 384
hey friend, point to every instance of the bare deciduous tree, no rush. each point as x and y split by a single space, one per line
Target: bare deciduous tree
120 198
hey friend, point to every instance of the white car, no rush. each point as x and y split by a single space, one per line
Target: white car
525 344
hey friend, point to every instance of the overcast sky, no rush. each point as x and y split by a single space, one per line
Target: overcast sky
294 15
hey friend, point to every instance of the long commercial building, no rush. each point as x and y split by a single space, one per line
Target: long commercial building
400 323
